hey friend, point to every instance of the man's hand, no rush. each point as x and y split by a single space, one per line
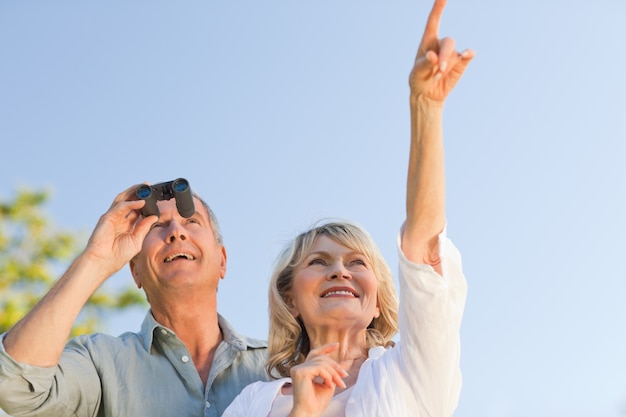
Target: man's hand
120 232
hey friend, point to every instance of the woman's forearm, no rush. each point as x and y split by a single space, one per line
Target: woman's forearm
425 204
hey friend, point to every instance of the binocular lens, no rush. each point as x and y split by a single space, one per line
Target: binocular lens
180 185
143 191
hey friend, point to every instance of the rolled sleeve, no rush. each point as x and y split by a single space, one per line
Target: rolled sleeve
430 319
22 387
69 387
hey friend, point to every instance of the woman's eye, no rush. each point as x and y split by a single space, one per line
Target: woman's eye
359 262
316 261
155 225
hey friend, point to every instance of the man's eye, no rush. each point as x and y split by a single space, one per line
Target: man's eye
155 225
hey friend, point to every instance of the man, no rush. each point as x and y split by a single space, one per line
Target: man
186 360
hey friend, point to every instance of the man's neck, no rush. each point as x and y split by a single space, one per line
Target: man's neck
197 327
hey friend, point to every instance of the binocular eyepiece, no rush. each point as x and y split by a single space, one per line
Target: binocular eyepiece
178 189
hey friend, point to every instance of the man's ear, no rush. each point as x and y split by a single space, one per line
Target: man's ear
134 272
223 263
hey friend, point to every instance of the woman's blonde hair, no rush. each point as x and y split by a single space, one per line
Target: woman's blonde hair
288 340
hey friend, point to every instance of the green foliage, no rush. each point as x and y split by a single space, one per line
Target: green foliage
33 256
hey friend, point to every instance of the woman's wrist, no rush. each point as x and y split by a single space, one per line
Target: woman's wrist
425 104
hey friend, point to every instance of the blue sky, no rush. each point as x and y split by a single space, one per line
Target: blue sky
281 113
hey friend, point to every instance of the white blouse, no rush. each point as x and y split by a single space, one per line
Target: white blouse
421 375
336 408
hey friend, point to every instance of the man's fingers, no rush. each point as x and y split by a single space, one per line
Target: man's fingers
127 194
143 225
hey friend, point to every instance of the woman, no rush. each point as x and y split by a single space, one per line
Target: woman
333 309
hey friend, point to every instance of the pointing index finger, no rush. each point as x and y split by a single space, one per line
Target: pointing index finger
432 25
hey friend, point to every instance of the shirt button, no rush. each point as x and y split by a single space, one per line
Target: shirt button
185 358
207 404
163 331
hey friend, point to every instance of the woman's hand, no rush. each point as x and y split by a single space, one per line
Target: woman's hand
314 381
437 69
438 66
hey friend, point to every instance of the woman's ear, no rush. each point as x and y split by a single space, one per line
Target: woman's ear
291 305
377 312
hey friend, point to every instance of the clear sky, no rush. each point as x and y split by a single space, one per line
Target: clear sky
280 113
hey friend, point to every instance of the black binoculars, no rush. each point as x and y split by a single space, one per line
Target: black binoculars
178 189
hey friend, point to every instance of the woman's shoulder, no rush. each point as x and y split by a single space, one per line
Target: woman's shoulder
256 397
264 387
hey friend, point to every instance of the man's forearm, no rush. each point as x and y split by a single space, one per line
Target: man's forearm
38 339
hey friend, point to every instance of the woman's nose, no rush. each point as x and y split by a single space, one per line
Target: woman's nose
338 270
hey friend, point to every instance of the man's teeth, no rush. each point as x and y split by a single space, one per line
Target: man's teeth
179 255
338 293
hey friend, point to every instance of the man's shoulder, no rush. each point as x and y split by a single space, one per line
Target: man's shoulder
242 342
254 343
104 341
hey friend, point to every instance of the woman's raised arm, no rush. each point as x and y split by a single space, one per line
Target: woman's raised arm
437 69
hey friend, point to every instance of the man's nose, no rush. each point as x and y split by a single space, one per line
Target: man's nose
176 231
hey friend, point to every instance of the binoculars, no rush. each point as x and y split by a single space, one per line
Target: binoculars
178 189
